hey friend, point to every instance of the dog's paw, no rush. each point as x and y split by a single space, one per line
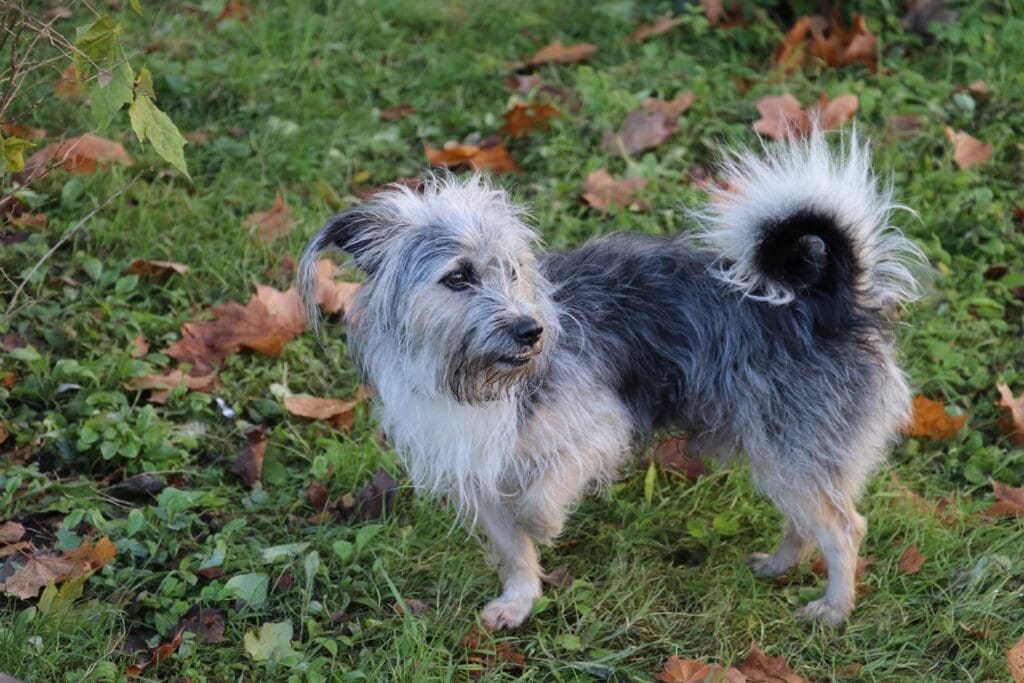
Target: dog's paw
823 611
502 613
766 565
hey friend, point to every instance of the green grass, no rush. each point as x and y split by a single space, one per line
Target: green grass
291 101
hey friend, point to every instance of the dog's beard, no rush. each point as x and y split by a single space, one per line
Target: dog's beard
476 379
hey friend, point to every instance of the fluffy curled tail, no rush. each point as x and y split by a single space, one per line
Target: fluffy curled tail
806 221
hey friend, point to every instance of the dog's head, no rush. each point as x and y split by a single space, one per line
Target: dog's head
453 300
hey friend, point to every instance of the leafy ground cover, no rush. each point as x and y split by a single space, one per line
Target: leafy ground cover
237 529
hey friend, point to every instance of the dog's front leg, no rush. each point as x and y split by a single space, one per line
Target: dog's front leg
520 569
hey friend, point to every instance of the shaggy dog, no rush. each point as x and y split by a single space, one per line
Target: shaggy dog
511 380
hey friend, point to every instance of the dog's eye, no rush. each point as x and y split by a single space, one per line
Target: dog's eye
457 280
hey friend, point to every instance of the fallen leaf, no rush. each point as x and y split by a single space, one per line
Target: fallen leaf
35 221
273 223
967 150
941 509
82 154
828 40
1012 422
673 108
678 670
235 9
249 463
782 117
411 605
336 412
398 112
377 498
978 87
931 420
663 24
211 572
713 11
155 270
557 53
922 13
317 494
16 130
207 623
161 385
911 561
334 296
11 532
1010 501
671 455
602 191
140 346
643 129
69 85
758 667
273 642
490 154
1015 660
159 654
559 577
833 114
906 124
490 655
524 118
41 570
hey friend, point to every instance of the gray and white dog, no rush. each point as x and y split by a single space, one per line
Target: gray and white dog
510 381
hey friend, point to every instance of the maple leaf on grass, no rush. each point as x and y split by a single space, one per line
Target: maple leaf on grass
159 654
663 24
161 385
828 40
1015 661
557 53
490 154
155 270
139 347
398 112
41 570
671 455
602 191
760 667
273 223
336 412
82 154
782 116
249 463
525 118
1012 420
1009 501
930 420
911 561
678 670
968 151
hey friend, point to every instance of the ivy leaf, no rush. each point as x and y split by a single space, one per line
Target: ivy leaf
14 154
149 123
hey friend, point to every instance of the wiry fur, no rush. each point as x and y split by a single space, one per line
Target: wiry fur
768 340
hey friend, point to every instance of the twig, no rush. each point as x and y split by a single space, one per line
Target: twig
9 313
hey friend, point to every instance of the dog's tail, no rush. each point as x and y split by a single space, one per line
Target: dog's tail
806 222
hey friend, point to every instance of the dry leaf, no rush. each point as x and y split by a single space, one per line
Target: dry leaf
411 605
398 112
782 117
978 87
339 414
42 570
906 124
235 9
317 494
1015 660
921 13
1012 423
155 270
35 221
16 130
524 118
83 154
140 347
11 532
673 108
678 670
490 154
334 296
158 655
642 129
492 654
249 463
759 667
663 24
559 577
828 40
911 561
833 114
273 223
557 53
713 10
967 150
1010 501
161 385
601 191
207 623
375 500
672 455
931 420
69 86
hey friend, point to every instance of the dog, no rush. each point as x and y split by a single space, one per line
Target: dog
511 381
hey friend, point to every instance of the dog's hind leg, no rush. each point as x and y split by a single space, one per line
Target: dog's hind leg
792 549
520 568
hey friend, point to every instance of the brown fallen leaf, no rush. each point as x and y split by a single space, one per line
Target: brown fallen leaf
643 129
411 605
490 655
783 118
922 13
490 154
1010 501
906 124
1015 660
375 500
559 577
943 510
713 11
663 24
672 455
41 569
159 654
207 623
556 53
673 108
911 561
334 296
16 130
678 670
978 87
274 223
161 385
832 114
140 346
235 9
828 40
35 221
397 112
759 667
525 118
317 494
1012 421
249 463
4 434
11 532
155 270
69 85
602 191
8 380
338 413
82 154
967 150
930 420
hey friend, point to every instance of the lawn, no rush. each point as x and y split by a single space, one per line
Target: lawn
296 98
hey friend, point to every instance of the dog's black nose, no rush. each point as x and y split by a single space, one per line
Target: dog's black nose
526 330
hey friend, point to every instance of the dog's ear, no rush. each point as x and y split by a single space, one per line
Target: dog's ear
361 231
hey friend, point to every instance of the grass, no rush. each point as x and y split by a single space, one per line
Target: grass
291 100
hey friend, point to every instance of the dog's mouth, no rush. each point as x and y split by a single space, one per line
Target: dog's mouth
516 360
